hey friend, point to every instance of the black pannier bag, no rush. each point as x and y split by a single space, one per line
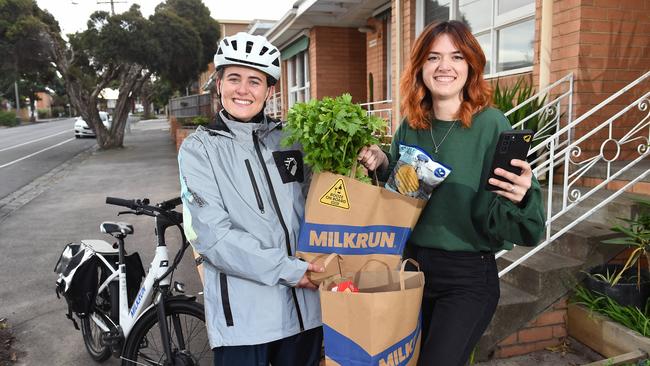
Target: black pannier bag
134 273
77 269
80 272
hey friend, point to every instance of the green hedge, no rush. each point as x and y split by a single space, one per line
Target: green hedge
8 118
193 121
43 113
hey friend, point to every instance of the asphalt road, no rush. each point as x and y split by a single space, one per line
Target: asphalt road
27 152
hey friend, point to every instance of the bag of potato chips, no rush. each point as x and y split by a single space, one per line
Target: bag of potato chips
416 173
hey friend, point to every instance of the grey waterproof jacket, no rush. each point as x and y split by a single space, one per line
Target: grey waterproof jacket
243 202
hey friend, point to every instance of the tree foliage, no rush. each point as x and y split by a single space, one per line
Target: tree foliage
23 55
127 49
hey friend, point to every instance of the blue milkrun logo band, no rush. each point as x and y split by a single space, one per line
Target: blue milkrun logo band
344 351
360 240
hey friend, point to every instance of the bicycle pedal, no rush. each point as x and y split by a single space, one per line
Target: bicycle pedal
111 338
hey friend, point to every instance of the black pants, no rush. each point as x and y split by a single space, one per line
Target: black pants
461 293
303 349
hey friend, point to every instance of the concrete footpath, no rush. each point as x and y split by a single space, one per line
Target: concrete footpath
70 209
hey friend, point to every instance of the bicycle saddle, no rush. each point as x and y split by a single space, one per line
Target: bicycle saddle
116 227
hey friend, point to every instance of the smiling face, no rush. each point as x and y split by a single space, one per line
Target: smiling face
445 71
243 91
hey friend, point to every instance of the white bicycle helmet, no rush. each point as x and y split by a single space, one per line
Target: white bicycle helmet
249 50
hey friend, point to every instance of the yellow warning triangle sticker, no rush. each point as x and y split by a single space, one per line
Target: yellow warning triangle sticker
336 196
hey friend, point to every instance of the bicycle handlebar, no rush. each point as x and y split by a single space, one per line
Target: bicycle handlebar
143 207
170 204
121 202
165 209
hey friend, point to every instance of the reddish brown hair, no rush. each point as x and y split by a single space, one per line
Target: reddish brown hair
416 104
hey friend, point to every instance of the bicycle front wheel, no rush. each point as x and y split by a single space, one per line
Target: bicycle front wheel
188 337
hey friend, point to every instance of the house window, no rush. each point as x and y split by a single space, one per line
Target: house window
505 29
298 78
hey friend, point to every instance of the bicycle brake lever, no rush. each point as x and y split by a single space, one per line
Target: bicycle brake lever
127 213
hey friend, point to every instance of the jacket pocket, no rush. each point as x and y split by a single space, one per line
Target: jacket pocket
225 300
258 196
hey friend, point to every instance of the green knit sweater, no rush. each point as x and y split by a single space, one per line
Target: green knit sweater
461 215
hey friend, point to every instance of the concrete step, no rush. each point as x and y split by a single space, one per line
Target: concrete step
548 275
583 242
514 309
543 273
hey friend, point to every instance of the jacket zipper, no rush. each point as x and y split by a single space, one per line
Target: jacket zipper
282 223
258 196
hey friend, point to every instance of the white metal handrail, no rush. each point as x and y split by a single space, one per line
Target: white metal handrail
559 151
382 109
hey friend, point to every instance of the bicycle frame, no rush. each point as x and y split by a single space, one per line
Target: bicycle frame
144 299
157 275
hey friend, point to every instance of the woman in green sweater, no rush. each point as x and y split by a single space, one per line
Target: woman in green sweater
447 114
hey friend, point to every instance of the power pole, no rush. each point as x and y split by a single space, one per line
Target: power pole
112 2
17 99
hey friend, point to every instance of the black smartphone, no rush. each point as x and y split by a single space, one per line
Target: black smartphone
513 144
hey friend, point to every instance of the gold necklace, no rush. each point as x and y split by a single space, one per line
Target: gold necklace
437 146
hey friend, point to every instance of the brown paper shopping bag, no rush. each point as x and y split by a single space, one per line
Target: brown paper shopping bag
379 325
368 225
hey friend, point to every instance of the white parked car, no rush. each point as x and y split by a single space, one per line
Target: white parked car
82 129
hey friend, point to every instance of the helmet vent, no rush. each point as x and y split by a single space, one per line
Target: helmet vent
249 46
276 62
272 51
219 51
234 45
263 51
225 40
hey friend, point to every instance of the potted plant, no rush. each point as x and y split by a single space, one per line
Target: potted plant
629 284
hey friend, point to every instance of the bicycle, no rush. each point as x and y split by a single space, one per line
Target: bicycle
159 328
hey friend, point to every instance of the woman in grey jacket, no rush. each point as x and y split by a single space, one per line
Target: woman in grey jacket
243 200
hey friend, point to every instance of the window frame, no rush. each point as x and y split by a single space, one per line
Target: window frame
293 89
498 22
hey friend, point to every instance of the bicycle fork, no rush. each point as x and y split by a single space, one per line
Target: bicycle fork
164 330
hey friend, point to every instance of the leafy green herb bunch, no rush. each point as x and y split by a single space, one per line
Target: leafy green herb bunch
331 132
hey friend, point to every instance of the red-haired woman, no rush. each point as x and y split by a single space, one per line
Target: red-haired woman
447 113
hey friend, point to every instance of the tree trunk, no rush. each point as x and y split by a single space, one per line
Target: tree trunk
130 80
32 107
147 106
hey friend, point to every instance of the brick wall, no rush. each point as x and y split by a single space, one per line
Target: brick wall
181 134
606 44
547 330
408 38
337 62
44 101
